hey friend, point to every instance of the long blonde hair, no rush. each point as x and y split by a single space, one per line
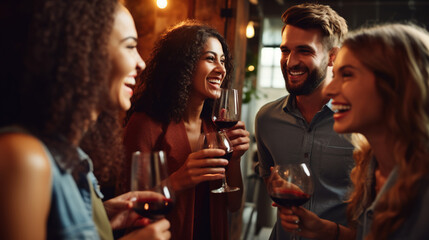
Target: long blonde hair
398 55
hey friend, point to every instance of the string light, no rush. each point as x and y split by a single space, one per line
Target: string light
161 3
250 30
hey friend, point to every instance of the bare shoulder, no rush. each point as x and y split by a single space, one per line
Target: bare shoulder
25 174
22 153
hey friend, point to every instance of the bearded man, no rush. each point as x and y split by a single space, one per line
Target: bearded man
298 127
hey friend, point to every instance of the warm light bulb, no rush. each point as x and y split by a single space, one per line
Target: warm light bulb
250 30
161 3
251 68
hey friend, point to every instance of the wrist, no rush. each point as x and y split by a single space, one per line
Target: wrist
174 184
330 231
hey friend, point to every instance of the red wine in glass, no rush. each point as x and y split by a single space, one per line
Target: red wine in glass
225 109
290 185
149 173
289 198
225 124
227 156
153 208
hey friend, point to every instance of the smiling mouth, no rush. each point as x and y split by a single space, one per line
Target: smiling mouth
296 73
337 108
130 85
214 81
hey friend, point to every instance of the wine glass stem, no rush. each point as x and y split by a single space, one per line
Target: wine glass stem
224 183
293 235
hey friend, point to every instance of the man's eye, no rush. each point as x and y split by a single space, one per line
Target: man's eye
131 46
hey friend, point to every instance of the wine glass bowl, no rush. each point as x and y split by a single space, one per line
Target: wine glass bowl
225 109
290 184
219 140
149 173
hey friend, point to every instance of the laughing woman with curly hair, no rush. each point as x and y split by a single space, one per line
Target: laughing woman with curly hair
171 108
67 69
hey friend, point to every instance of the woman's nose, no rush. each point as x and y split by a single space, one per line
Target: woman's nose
220 68
332 88
141 65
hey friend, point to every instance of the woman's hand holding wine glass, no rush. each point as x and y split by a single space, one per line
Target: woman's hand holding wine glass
219 140
200 166
309 224
120 209
239 138
290 186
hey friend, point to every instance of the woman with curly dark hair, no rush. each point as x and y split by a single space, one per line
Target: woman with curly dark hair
171 108
68 69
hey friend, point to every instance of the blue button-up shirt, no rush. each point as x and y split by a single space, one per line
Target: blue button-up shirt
284 136
70 215
415 226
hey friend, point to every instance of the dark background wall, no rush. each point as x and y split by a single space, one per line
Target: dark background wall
358 13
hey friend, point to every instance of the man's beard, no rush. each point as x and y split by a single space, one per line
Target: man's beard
314 79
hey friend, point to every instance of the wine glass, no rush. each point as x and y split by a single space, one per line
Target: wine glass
290 185
149 173
225 109
219 139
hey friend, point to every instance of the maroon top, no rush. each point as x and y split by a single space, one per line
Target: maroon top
143 134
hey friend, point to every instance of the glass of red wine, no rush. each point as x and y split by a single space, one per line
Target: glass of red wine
290 185
225 109
149 173
219 139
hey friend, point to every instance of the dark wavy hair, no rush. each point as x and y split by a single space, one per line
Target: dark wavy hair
165 85
54 60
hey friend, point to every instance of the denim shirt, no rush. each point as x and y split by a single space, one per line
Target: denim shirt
284 136
70 215
415 226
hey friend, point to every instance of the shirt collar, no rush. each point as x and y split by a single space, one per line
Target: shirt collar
289 104
83 157
85 163
390 181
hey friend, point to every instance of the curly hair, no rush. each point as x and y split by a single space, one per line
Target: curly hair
165 85
399 59
55 64
317 16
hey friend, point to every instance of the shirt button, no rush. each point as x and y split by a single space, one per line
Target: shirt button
306 155
370 214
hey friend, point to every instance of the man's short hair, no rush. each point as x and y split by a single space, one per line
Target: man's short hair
317 16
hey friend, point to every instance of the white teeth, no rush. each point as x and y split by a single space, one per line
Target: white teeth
295 73
337 108
130 80
215 81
